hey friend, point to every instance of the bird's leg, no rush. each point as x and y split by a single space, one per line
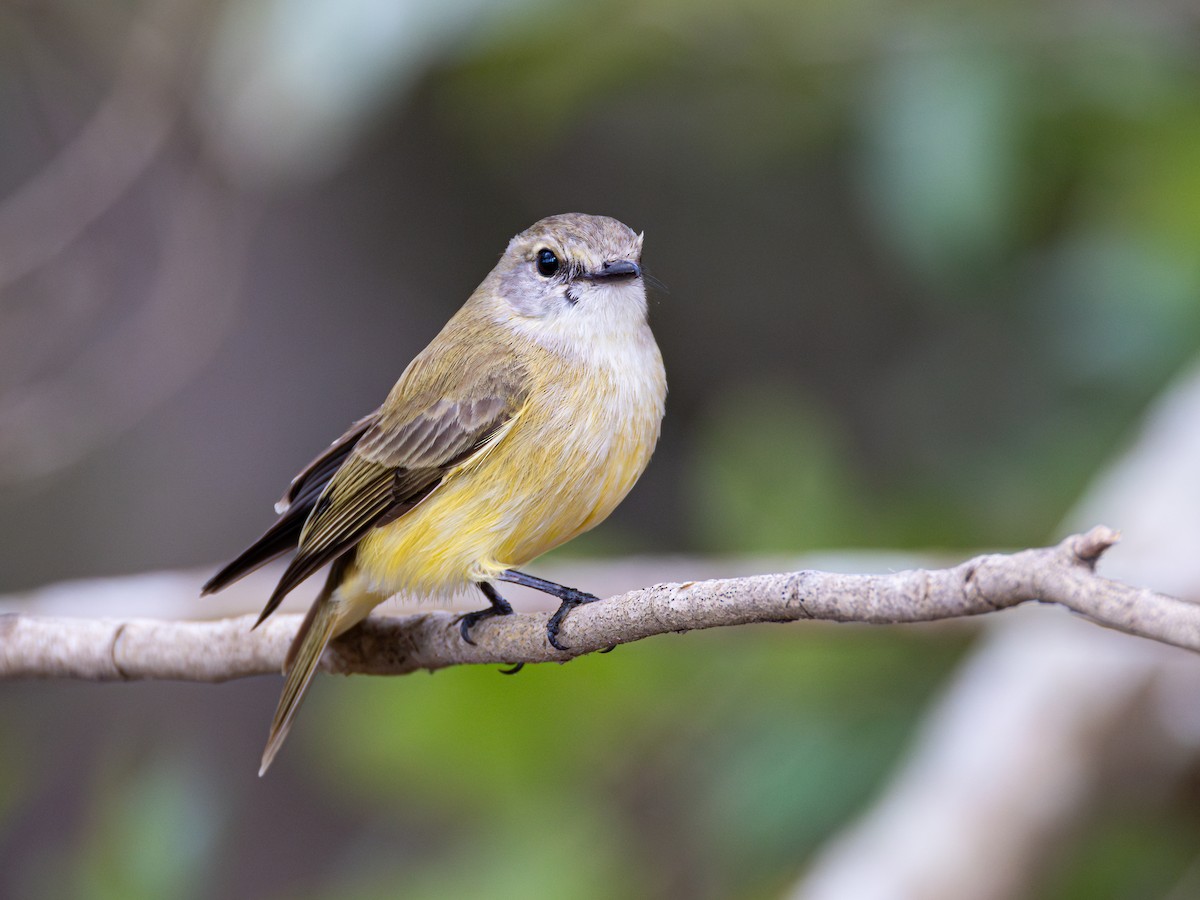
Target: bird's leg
569 597
499 607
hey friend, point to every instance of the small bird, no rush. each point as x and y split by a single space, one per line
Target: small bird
524 423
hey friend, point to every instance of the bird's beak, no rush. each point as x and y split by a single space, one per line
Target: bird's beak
617 270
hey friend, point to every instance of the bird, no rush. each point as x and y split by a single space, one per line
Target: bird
522 424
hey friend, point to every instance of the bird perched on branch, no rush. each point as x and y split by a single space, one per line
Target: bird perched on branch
523 424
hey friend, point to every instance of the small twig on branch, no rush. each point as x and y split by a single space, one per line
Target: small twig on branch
114 650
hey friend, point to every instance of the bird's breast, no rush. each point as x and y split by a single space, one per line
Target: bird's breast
578 445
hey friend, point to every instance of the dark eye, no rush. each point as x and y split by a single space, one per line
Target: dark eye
547 262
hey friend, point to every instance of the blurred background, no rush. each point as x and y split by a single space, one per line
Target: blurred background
927 265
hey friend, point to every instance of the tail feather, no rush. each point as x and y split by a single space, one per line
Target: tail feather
303 657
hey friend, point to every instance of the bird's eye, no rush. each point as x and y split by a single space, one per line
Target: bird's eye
547 262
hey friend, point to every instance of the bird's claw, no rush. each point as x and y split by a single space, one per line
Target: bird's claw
467 621
569 602
499 607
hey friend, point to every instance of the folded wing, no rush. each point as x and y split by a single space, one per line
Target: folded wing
376 472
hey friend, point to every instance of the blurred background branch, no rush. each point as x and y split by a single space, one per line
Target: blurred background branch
50 211
53 412
983 803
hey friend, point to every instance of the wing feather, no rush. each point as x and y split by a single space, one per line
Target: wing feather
294 508
435 418
313 478
394 464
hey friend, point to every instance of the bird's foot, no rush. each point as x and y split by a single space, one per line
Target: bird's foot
499 607
570 598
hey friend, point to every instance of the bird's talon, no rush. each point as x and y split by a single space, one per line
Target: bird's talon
514 669
569 602
467 621
499 607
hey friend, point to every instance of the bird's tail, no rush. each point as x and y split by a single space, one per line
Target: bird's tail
302 659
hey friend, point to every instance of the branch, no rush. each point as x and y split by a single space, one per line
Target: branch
106 650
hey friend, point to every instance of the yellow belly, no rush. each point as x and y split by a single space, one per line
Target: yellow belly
569 458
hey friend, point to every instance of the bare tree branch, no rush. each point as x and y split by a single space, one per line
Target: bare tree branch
102 650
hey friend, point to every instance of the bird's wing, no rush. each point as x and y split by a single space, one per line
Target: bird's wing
307 486
399 459
294 508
